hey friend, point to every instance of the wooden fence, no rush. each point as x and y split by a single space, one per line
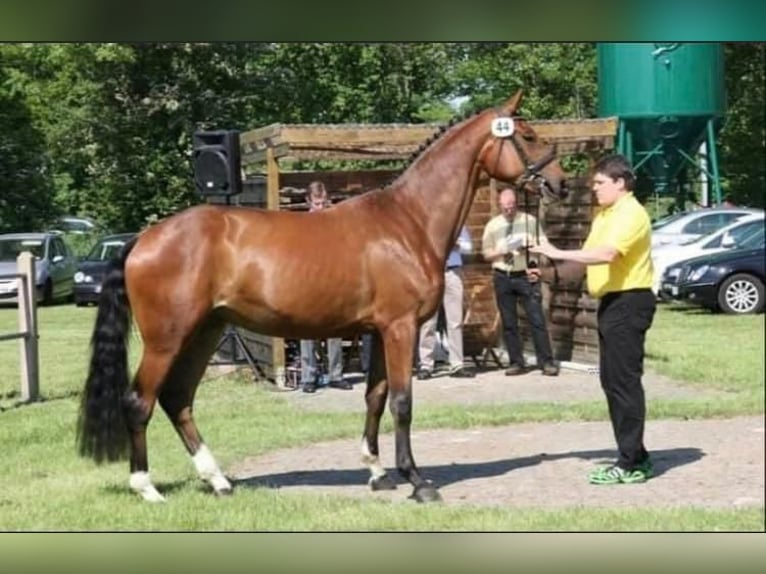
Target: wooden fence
27 333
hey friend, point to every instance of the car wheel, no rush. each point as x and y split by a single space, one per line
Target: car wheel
741 293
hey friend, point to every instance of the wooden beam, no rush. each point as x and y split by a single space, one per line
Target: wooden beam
399 141
380 134
272 202
260 134
576 129
250 156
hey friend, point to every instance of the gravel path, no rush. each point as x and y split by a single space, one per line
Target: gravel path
706 463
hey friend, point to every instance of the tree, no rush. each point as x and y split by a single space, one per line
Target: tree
25 200
743 136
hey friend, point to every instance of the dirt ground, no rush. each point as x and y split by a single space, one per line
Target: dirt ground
704 463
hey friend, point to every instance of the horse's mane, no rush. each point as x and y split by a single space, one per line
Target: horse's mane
427 144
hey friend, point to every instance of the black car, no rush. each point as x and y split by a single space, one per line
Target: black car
729 281
91 268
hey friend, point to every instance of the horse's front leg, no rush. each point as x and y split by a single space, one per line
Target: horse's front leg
375 396
399 344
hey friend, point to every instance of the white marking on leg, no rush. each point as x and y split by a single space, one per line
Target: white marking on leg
208 469
372 462
141 483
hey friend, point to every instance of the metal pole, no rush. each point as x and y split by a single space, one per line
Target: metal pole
704 179
713 155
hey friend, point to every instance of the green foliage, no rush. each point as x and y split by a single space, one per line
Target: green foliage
559 80
105 129
25 198
743 137
81 243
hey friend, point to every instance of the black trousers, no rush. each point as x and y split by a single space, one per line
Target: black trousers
623 320
508 290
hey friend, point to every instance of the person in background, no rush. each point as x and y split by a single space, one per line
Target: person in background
517 278
617 253
453 311
319 199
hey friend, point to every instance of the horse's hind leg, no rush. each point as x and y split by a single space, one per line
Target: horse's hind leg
375 396
399 341
177 398
139 406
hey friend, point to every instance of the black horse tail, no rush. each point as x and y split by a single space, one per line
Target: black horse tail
102 431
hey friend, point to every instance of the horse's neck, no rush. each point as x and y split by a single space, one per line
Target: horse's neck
440 183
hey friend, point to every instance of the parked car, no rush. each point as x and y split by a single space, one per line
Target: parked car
75 224
730 281
55 265
728 237
689 225
92 267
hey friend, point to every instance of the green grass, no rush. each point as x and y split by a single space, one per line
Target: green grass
45 486
724 352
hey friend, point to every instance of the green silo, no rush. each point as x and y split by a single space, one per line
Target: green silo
669 98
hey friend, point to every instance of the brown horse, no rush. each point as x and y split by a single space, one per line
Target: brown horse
374 262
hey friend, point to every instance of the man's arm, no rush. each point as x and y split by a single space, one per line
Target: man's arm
590 256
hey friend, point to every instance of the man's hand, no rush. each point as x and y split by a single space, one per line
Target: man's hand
533 274
514 242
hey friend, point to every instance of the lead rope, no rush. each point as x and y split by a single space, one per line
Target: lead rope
526 223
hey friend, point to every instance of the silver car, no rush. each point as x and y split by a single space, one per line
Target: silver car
55 265
682 227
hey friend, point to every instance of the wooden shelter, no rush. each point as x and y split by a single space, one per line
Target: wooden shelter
269 152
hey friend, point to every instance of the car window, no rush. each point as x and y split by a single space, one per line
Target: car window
741 232
755 240
668 219
104 250
710 222
11 248
61 248
737 233
55 248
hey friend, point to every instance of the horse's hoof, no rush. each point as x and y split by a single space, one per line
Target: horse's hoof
153 497
383 482
223 492
426 493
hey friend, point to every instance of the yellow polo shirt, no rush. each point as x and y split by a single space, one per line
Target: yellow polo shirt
626 226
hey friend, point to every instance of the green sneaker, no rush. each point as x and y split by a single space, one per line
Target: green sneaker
616 475
647 468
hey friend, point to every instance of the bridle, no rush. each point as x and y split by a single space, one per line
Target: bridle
531 174
532 169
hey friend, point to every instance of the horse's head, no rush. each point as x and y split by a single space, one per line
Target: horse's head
513 153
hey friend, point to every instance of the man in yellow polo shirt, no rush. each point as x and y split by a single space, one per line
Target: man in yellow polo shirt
618 255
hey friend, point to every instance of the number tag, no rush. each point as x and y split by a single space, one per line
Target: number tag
502 127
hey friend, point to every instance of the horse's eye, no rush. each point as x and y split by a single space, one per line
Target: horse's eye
529 136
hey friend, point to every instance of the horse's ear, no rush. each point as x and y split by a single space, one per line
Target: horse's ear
513 104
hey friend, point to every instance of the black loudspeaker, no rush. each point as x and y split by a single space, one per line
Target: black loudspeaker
215 158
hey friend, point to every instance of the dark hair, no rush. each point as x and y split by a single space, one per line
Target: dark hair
615 167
